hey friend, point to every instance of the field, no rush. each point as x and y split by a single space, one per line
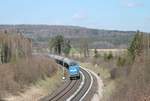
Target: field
115 52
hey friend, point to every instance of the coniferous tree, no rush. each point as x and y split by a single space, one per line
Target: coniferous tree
135 47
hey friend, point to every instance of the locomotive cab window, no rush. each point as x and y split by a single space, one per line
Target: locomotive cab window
66 65
73 63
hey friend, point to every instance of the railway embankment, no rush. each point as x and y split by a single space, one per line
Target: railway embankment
105 85
29 80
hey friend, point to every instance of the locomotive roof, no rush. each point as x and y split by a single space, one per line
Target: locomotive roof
56 57
69 61
66 60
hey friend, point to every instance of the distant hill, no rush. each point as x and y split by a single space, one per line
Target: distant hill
97 38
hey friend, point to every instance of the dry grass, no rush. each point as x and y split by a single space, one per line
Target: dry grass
16 77
40 89
115 52
104 72
132 87
135 86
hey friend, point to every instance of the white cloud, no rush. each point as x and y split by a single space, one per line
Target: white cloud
82 15
132 4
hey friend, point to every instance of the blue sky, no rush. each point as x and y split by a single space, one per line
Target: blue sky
102 14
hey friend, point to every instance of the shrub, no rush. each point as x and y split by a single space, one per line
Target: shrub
121 61
113 73
136 85
14 77
108 56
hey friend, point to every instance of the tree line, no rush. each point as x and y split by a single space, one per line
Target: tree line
61 45
14 46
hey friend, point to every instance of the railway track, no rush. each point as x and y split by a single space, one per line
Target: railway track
80 95
74 90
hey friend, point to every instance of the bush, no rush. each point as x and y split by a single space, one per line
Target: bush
121 61
15 77
108 56
113 73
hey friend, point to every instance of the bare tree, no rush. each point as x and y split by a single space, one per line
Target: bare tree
84 47
13 47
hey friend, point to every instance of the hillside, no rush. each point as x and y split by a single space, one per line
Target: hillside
96 37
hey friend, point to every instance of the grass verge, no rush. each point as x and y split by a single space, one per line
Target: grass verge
109 85
50 84
39 89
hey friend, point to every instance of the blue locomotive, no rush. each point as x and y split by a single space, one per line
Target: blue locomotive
72 66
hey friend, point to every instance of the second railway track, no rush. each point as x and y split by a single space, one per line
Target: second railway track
73 90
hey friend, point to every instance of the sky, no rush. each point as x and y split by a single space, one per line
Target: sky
101 14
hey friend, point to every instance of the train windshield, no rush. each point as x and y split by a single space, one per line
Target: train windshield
73 63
